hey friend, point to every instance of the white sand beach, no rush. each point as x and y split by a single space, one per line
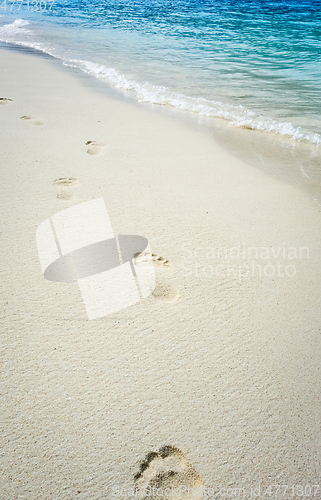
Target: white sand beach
222 362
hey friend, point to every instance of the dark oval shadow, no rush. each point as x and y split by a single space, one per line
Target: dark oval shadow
95 259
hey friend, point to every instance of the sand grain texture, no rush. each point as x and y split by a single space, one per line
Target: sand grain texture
229 373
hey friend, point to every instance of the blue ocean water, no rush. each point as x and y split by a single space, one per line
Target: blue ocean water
256 63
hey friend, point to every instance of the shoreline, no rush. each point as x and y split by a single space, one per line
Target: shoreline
282 157
228 372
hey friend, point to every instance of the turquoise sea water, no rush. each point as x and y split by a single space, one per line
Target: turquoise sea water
255 63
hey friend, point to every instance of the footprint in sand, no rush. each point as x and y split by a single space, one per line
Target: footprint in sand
65 185
164 290
168 474
5 100
31 120
95 147
160 261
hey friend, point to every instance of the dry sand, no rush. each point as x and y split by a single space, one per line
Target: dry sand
225 369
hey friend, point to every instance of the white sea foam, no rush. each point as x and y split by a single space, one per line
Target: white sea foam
16 33
12 28
238 116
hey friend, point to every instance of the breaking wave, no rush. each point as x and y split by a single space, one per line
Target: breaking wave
237 115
